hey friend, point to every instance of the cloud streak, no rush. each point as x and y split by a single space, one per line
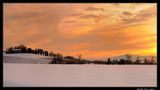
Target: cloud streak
94 9
93 30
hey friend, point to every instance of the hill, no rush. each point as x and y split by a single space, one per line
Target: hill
26 58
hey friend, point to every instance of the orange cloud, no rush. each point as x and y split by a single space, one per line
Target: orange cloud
93 30
94 9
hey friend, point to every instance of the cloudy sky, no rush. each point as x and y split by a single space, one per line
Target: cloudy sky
93 30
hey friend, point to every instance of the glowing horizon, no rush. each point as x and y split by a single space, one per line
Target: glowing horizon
93 30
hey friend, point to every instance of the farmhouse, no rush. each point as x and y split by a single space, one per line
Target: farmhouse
16 50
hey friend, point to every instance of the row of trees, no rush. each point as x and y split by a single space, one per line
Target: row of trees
60 59
124 61
57 57
69 60
108 61
24 49
73 60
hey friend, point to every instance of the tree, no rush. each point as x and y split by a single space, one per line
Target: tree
122 61
50 54
9 50
46 53
109 61
23 48
36 51
128 57
79 56
40 51
146 61
29 50
58 55
57 59
115 61
138 60
152 60
68 57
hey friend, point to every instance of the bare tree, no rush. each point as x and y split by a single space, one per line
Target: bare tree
79 56
58 55
145 61
138 60
152 59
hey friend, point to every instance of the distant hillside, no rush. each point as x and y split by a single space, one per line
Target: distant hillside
133 57
26 58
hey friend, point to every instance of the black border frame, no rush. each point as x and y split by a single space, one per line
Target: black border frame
85 1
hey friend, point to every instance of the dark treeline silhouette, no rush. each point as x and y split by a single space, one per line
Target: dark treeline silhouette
60 59
23 49
123 61
68 60
73 60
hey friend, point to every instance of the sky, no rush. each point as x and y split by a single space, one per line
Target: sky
94 30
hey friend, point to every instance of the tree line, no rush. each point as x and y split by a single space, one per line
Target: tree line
60 59
103 62
125 61
24 49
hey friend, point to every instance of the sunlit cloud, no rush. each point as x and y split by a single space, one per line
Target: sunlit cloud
94 9
93 30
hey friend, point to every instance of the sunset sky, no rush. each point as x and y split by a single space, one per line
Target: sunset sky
93 30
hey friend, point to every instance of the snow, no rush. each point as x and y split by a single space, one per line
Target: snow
57 75
26 58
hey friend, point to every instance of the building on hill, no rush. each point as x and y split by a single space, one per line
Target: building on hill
16 50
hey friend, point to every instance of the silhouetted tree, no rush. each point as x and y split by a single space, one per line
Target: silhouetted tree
128 56
23 48
40 51
68 58
58 55
36 51
29 50
109 61
46 53
146 61
122 61
114 61
152 60
50 54
138 60
79 56
9 50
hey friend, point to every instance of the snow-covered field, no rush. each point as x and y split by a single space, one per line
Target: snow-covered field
26 58
56 75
